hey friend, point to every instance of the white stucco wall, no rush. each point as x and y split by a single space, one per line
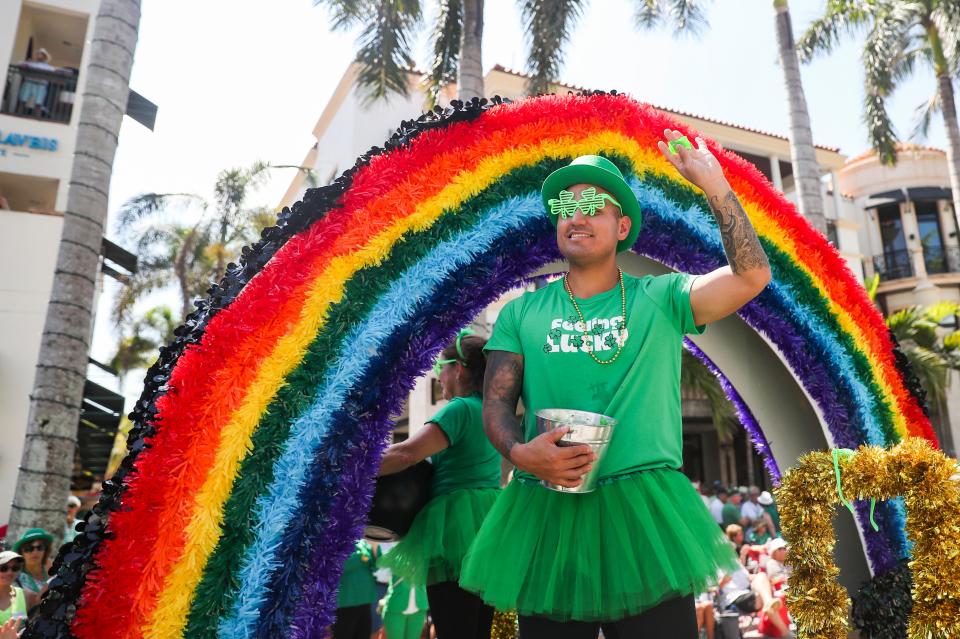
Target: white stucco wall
28 253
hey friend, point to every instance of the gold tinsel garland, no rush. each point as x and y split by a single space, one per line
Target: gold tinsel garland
504 625
806 500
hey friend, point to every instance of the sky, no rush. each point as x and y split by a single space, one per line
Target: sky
238 81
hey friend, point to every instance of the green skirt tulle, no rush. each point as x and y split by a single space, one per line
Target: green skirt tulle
633 543
433 550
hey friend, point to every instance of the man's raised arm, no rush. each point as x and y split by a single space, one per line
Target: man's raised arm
723 291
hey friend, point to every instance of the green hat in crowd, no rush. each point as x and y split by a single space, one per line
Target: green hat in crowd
32 534
598 171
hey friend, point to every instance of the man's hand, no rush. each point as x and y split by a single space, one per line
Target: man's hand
697 165
561 465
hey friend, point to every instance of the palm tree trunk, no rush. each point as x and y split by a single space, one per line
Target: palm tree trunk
180 269
47 463
806 172
945 89
470 71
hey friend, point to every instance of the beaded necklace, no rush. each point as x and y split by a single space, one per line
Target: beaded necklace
623 311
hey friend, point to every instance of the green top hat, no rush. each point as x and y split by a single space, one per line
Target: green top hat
30 535
599 171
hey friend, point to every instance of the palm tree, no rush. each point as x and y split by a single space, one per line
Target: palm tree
803 155
388 28
187 257
48 452
549 23
899 35
932 356
142 338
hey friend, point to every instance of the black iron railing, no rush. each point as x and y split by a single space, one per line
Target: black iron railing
941 259
35 93
893 265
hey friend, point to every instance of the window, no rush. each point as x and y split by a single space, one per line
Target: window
931 237
895 261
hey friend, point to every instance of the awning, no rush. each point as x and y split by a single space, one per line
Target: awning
100 416
885 197
928 193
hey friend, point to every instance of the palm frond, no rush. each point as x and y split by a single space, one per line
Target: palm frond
932 371
872 285
951 342
882 50
939 311
696 377
345 13
682 16
447 31
548 25
842 17
384 53
151 205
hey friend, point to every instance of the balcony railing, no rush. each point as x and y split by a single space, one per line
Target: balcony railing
34 93
893 265
940 259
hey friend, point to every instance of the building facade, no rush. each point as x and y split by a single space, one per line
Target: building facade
44 49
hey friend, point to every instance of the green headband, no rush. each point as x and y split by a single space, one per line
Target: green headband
589 203
440 363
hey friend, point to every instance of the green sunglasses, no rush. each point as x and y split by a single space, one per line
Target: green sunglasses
440 363
589 203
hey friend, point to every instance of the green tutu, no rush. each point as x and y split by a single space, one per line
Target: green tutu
433 549
633 543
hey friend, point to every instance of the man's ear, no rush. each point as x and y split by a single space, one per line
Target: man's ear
625 223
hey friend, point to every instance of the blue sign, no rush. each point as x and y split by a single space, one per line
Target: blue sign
28 141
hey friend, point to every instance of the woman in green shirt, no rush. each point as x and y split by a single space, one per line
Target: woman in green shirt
404 609
466 482
357 590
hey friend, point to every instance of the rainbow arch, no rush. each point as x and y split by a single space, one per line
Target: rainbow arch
257 437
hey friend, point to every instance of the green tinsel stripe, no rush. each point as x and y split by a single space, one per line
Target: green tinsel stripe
218 586
805 293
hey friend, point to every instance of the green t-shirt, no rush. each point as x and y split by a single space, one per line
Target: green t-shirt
470 461
641 389
357 584
730 514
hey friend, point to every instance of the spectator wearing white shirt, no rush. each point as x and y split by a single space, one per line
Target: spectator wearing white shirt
716 506
751 508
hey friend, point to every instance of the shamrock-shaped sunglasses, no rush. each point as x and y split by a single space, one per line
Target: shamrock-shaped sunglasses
589 203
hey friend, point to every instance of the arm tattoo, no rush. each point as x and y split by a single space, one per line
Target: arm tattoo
739 239
502 384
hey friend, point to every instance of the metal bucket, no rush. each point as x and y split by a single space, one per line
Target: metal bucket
592 429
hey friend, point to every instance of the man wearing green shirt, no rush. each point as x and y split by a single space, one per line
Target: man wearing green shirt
602 341
731 511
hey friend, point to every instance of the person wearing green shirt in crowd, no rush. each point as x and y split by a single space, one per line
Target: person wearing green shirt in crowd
357 590
404 609
609 343
465 484
13 602
731 511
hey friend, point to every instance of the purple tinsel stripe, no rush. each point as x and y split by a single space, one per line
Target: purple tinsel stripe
744 413
514 259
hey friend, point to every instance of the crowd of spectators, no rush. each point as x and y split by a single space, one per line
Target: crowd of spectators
749 600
